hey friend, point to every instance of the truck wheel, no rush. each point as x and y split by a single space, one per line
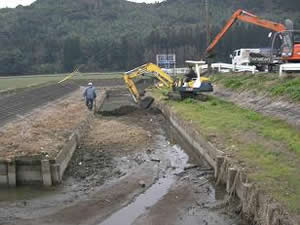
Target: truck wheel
260 68
270 68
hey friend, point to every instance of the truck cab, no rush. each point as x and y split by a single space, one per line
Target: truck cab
242 56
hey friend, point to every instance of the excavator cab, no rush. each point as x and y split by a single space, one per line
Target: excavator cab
193 78
196 84
287 45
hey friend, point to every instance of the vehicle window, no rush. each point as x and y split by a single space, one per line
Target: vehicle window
297 37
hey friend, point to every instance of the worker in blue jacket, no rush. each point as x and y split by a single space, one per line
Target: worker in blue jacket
90 95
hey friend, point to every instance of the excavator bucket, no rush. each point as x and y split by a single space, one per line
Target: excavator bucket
146 102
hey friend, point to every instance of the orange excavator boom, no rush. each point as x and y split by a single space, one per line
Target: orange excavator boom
245 17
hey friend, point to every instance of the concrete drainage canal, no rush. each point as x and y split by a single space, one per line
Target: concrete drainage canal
132 167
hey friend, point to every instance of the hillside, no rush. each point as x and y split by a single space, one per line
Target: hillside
54 35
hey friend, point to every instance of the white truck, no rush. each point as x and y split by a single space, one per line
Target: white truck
259 57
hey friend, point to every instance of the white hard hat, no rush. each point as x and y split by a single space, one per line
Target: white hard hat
90 84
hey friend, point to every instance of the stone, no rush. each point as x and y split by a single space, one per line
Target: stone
142 183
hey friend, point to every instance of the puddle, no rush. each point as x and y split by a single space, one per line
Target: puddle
177 159
24 193
127 215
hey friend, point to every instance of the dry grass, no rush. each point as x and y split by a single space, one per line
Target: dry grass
46 129
119 134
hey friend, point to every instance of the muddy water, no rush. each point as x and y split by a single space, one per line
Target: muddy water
178 159
128 214
22 193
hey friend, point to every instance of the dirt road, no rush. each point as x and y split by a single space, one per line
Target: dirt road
130 169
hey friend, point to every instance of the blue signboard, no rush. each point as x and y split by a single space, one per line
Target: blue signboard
166 61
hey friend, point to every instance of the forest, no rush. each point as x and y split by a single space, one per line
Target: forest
55 36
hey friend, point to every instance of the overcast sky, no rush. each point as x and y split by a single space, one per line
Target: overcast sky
14 3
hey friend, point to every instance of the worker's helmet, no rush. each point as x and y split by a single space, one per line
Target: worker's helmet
90 84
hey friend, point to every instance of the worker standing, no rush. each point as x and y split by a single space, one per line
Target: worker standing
90 95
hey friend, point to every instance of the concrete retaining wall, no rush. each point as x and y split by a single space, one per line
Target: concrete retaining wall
40 169
256 206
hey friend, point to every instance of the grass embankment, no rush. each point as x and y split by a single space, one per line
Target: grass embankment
264 83
268 148
16 82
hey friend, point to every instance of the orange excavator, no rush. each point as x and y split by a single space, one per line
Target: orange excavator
289 50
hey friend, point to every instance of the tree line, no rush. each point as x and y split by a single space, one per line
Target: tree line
54 36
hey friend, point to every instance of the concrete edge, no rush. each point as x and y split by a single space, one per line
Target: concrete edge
256 205
60 163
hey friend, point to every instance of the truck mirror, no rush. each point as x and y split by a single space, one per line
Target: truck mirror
270 35
231 56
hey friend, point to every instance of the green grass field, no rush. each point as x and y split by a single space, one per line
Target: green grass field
11 83
266 83
269 148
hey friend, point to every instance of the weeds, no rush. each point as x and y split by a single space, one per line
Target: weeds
289 88
189 101
265 83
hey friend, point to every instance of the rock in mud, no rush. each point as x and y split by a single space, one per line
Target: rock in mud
142 183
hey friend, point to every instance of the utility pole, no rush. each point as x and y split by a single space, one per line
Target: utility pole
208 34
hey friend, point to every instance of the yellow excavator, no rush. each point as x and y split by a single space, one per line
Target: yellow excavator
178 88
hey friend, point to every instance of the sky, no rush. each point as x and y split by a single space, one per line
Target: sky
147 1
14 3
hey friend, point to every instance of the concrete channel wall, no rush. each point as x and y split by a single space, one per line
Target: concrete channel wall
40 169
256 205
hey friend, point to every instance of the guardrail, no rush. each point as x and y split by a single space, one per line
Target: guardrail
289 67
224 67
220 67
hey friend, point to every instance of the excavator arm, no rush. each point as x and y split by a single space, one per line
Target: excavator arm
151 68
248 18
